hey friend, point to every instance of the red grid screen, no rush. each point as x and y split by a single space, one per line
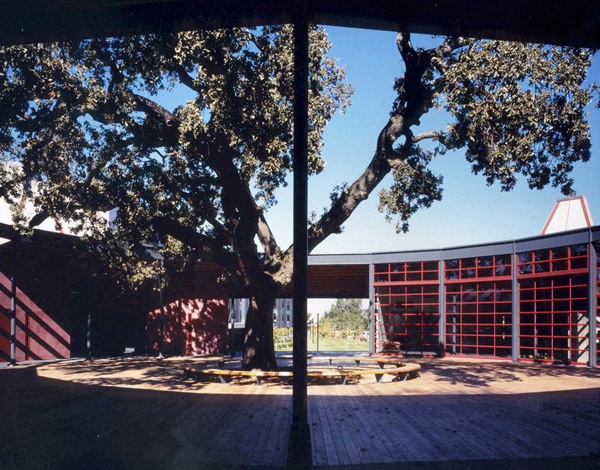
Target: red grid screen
554 323
597 304
553 305
407 307
552 261
484 267
479 306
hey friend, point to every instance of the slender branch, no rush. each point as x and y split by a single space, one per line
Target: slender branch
267 239
187 235
184 77
437 54
426 135
38 219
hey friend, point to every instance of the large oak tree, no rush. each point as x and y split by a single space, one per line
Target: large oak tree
88 124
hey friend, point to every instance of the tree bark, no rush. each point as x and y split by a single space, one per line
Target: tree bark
259 348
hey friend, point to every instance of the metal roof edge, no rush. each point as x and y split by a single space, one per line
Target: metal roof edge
360 257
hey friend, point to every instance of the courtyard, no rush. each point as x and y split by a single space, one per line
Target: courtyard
142 413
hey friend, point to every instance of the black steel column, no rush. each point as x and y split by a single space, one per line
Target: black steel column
89 292
13 302
299 454
592 301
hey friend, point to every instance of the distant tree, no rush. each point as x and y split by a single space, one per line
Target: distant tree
347 315
326 327
195 181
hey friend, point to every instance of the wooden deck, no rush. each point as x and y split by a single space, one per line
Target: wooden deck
142 414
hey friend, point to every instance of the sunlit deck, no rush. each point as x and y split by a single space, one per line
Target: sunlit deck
142 414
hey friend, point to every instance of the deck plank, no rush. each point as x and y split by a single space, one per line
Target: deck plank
124 414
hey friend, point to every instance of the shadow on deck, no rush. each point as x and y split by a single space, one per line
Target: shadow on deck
464 421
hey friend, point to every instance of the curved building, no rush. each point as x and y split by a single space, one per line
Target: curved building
526 300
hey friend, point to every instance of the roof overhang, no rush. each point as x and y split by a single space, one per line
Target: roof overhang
566 22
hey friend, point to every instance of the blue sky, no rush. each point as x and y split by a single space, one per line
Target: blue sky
470 211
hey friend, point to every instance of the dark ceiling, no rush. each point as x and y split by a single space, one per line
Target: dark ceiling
568 22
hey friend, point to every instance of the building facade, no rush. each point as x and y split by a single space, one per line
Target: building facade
282 313
528 300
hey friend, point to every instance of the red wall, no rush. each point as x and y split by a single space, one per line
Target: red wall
55 296
195 317
41 314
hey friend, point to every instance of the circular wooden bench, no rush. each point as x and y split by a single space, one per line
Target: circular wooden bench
401 370
381 361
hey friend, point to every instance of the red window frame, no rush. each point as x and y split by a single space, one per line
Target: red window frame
479 268
407 296
407 273
478 307
552 261
553 319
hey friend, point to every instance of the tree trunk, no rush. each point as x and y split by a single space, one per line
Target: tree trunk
259 350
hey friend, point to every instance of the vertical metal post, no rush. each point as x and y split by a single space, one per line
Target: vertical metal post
299 452
515 307
89 290
592 301
317 332
13 303
442 308
161 323
88 342
371 309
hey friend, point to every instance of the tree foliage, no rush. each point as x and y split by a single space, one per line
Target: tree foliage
346 315
90 129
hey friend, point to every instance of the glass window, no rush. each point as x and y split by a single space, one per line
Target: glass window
396 267
559 253
468 273
503 260
452 264
430 266
485 261
381 268
503 271
561 265
525 257
525 269
413 266
542 267
578 263
485 272
542 255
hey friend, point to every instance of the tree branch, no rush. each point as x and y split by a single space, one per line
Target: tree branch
38 219
184 77
267 239
414 99
426 135
190 237
436 55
